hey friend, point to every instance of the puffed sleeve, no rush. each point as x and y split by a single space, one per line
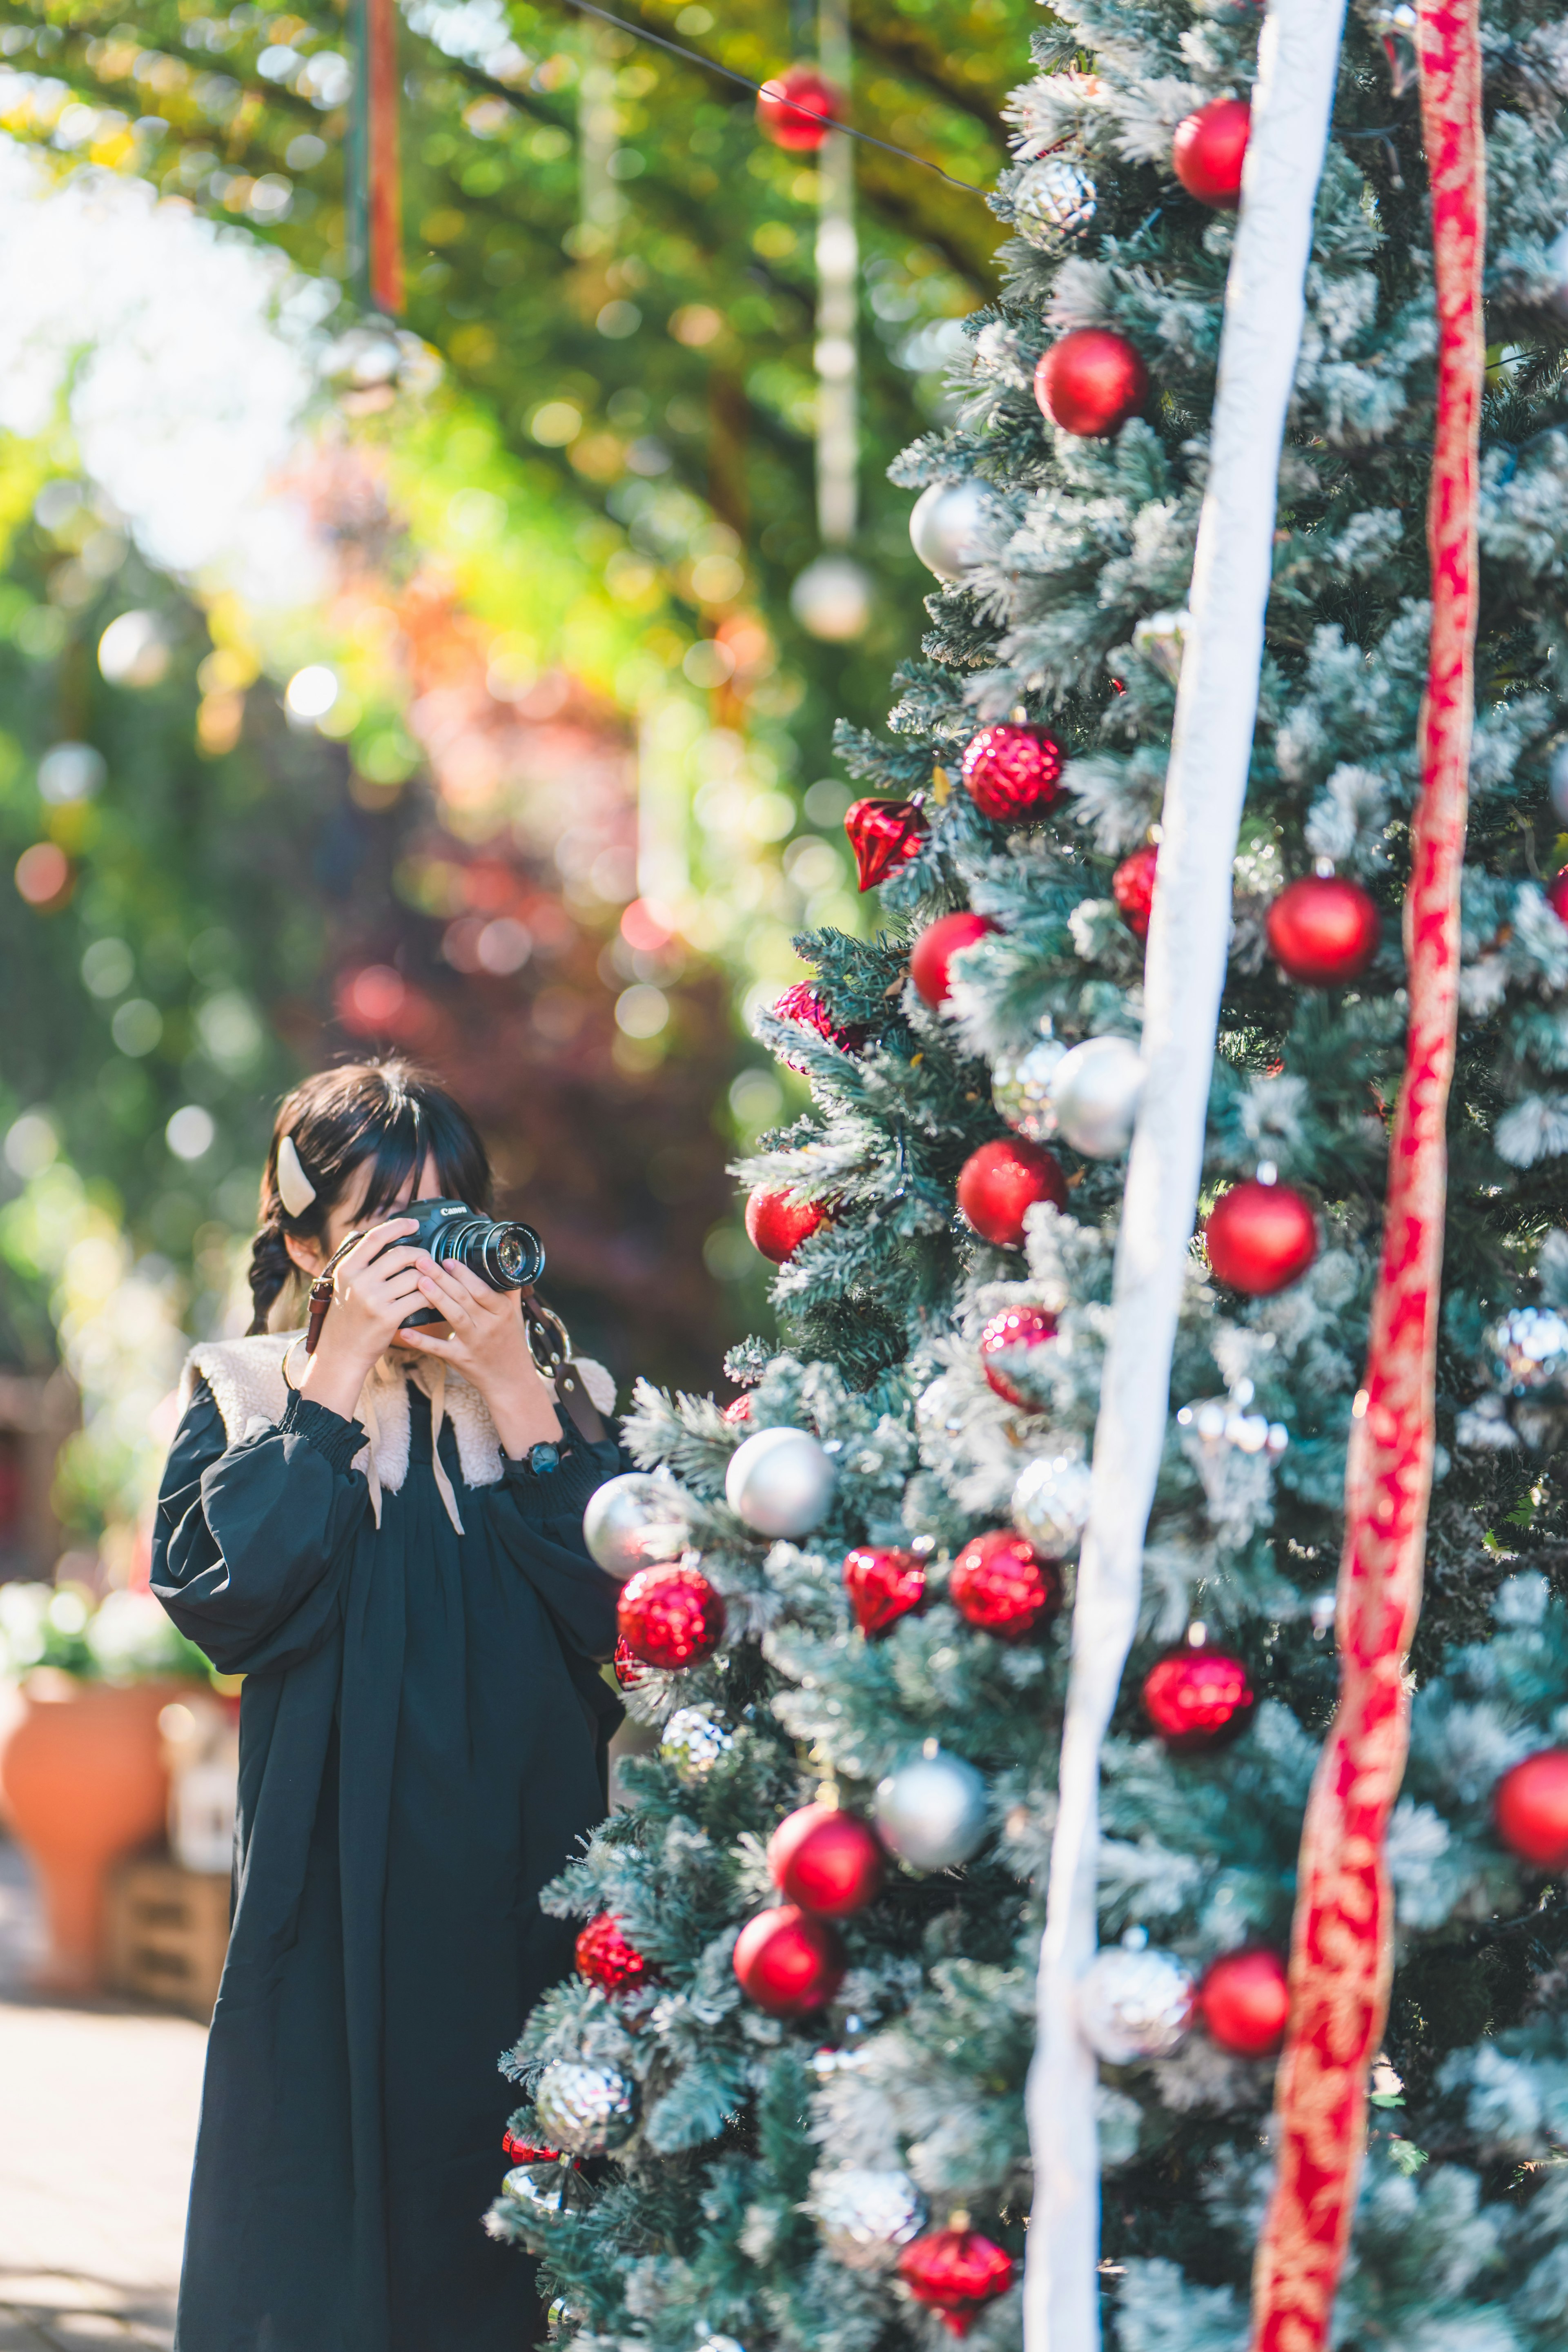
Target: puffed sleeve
252 1542
537 1517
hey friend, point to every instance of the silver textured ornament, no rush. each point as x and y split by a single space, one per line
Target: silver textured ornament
780 1480
947 525
693 1740
585 2109
1095 1091
562 2316
931 1811
1218 1421
1053 199
1529 1350
832 600
1161 638
1021 1090
1050 1503
1558 774
865 2217
635 1521
1134 2004
540 2197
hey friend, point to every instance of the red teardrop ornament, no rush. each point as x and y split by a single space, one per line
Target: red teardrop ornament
781 110
1260 1238
1323 931
528 2151
788 1962
956 2273
628 1667
606 1958
1245 2001
1012 1337
1198 1698
827 1861
1011 773
671 1617
1132 888
801 1004
999 1182
1208 150
777 1226
883 1585
1530 1806
1091 382
738 1409
1000 1583
1557 894
933 952
882 835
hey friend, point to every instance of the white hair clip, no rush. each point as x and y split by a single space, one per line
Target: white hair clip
295 1189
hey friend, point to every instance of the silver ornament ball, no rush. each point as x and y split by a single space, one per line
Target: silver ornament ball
635 1521
832 600
1529 1350
693 1740
780 1480
1053 199
1134 2005
1021 1090
931 1811
1095 1091
864 2217
1050 1503
720 2344
947 527
561 2316
1558 774
540 2198
588 2110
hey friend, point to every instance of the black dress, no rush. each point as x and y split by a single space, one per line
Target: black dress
423 1735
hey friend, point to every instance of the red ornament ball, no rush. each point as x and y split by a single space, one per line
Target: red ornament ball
606 1958
738 1409
788 1962
1011 773
1260 1238
1530 1806
1091 382
1245 2001
628 1667
1000 1583
528 2151
783 112
883 1585
777 1226
1208 150
1003 1179
1017 1332
829 1861
933 951
670 1616
883 835
1324 932
1132 888
801 1004
1557 894
956 2273
1198 1698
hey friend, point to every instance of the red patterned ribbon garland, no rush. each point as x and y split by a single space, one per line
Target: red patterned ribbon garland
1341 1951
378 198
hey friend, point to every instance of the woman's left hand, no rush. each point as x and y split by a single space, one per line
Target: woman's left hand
487 1342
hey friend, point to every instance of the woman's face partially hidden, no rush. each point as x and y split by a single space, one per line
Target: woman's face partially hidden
310 1256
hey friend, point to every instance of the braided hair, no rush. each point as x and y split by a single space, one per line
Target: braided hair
388 1111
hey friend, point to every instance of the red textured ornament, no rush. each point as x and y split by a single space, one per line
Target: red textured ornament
1324 931
1245 2001
1000 1583
1132 888
1261 1238
670 1616
883 1586
782 106
528 2151
957 2273
1091 382
1011 773
1198 1698
777 1226
606 1958
933 951
829 1861
1530 1806
788 1962
1557 894
882 835
1015 1330
738 1409
1208 150
802 1004
628 1667
1003 1179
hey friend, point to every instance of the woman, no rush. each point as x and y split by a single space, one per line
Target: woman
384 1538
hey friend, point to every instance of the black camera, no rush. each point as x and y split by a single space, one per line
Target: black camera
505 1254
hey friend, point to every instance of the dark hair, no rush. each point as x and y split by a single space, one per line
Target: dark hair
389 1112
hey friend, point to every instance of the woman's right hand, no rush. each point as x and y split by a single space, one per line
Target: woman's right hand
375 1287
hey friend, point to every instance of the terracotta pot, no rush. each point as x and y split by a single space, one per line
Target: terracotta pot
82 1781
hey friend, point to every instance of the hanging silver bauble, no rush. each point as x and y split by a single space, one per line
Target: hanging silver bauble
947 527
1095 1091
1021 1090
588 2110
780 1480
931 1811
563 2317
1558 773
539 2197
1050 1503
1529 1350
864 2217
693 1740
1134 2004
832 600
1053 199
635 1521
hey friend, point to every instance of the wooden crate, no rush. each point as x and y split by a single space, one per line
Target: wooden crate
167 1934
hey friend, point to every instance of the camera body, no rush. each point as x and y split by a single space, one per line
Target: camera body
507 1255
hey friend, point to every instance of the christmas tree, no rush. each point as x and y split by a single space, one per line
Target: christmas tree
784 2100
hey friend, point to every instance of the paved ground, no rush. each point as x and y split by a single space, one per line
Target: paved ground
98 2118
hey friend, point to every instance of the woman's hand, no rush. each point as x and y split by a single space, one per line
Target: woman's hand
374 1287
487 1342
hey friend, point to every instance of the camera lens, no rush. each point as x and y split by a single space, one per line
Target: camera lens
511 1256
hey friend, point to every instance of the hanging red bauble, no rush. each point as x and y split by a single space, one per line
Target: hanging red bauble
777 1226
1015 1330
801 1004
933 951
606 1958
1003 1179
883 1585
1324 932
1091 382
789 108
1000 1583
957 2273
1198 1697
1557 894
1245 2001
670 1616
1011 773
528 2151
1208 150
788 1962
1132 888
1260 1238
883 835
830 1862
1530 1806
629 1668
738 1409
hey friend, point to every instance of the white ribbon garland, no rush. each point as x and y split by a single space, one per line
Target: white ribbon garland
1216 706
